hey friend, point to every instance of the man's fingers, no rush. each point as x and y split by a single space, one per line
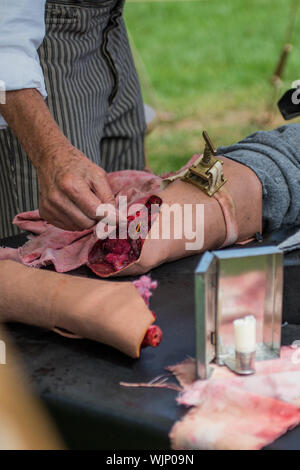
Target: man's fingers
102 190
86 201
67 209
74 195
54 217
87 195
65 225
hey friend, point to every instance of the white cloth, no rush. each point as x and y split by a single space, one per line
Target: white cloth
22 30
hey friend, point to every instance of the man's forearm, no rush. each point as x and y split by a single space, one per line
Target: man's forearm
29 117
71 187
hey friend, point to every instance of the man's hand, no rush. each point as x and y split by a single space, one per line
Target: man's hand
71 188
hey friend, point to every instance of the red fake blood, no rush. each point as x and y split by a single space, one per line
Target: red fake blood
112 255
153 336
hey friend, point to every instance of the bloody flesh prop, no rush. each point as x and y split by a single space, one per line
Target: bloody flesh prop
112 255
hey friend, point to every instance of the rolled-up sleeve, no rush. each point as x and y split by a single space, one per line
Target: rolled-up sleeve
275 158
22 29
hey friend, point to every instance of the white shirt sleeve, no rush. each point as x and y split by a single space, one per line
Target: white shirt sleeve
22 30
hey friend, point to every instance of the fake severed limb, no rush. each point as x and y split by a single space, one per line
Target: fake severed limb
112 313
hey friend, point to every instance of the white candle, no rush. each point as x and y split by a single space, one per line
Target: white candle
245 334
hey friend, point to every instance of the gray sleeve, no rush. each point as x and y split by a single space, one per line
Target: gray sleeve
275 158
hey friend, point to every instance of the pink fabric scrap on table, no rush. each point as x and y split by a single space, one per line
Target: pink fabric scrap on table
145 285
154 334
235 412
68 250
232 419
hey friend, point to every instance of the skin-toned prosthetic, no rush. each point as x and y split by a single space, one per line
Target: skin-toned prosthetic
112 313
243 193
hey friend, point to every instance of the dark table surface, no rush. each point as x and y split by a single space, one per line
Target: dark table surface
78 380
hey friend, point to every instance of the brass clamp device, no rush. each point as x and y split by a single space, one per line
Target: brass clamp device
206 172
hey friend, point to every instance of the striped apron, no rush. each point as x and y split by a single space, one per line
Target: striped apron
93 94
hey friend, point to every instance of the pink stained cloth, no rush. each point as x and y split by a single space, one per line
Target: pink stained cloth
69 250
234 412
230 412
233 419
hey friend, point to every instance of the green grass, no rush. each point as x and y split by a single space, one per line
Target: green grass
209 64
